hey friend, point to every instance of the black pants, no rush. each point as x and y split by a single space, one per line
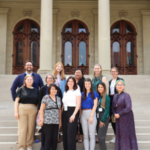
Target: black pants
51 136
112 124
42 137
69 129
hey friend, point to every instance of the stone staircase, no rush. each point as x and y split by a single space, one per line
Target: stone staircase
137 86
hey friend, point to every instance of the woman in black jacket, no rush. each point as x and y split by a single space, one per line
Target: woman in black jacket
112 92
50 79
80 82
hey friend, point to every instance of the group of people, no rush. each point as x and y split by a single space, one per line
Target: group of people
77 106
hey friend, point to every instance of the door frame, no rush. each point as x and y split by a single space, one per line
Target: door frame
75 38
123 38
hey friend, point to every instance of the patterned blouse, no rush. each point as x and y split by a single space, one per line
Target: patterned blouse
51 112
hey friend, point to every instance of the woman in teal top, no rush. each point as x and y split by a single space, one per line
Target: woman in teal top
103 110
98 77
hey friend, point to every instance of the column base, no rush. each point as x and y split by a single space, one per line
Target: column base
44 72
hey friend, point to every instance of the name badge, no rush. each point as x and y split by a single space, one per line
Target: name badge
65 108
97 114
100 109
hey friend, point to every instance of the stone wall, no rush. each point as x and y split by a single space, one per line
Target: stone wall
88 14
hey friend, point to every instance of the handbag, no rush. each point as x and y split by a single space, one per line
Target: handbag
38 119
113 119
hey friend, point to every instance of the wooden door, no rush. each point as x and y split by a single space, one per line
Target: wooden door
123 47
26 45
75 47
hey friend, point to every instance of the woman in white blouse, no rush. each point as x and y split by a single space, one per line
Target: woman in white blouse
71 105
112 92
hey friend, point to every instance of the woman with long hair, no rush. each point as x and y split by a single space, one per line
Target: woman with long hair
60 82
103 110
112 92
98 78
50 113
71 106
88 115
125 127
60 76
25 112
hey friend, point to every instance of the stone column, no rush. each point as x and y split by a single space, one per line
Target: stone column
3 39
46 36
54 36
146 40
104 35
95 14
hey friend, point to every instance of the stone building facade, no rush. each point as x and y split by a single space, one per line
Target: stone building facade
101 22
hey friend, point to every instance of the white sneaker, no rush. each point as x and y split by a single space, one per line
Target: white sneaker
113 140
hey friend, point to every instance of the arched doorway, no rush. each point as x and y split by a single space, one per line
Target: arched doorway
75 47
123 47
26 45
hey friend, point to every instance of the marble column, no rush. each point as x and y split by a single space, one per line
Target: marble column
3 39
146 40
46 36
104 35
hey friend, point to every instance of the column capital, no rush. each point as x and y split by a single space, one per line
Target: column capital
4 10
95 11
55 11
145 12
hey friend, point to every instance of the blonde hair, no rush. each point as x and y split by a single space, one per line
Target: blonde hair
24 82
62 72
100 76
114 68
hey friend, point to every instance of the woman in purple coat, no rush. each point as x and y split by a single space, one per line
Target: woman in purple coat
122 111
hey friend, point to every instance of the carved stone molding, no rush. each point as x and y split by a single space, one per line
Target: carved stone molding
55 11
95 11
145 12
4 10
123 13
27 12
75 13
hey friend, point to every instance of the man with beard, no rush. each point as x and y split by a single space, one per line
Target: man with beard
18 82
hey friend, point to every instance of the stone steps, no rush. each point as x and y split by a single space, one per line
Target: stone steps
14 130
109 136
137 86
14 123
136 117
13 146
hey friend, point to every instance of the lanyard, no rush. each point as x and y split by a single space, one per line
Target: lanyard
118 99
100 100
